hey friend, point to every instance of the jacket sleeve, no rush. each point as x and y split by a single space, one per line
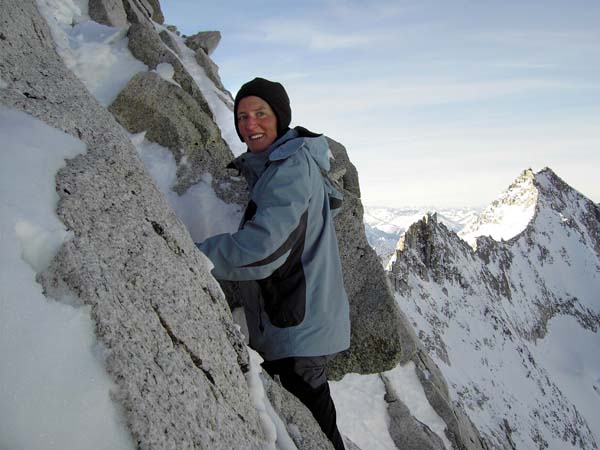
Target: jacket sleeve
264 242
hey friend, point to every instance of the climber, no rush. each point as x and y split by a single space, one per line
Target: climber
299 317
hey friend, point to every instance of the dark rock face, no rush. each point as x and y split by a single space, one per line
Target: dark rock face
169 339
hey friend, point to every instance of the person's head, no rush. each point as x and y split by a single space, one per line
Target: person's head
261 113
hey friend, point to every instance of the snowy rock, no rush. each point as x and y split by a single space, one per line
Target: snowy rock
108 12
173 119
138 11
506 216
158 314
496 320
169 41
300 423
205 40
211 69
405 430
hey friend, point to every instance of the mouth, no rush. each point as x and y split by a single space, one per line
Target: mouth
255 137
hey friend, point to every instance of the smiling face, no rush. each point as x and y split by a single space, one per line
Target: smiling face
256 123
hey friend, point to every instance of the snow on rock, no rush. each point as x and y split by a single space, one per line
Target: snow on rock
166 71
506 216
166 334
513 324
193 205
96 53
362 408
52 374
220 104
362 411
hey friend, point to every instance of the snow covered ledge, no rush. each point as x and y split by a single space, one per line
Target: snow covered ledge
54 391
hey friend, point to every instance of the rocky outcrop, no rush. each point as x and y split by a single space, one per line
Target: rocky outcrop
204 40
166 329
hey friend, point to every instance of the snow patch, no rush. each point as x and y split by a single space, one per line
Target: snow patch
410 391
506 216
97 54
50 375
362 411
166 72
203 213
276 435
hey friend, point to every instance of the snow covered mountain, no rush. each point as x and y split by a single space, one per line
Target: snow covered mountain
514 325
384 226
508 215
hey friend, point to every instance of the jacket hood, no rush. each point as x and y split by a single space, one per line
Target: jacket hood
293 140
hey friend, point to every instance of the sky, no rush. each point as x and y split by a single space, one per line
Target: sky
437 103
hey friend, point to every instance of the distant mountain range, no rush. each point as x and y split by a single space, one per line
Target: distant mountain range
384 226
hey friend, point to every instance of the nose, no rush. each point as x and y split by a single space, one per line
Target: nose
251 123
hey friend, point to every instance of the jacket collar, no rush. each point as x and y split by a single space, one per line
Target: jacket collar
252 165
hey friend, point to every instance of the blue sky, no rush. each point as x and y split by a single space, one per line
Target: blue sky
438 103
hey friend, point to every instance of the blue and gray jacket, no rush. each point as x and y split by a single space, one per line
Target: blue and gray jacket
287 243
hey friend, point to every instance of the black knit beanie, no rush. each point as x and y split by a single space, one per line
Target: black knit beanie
271 92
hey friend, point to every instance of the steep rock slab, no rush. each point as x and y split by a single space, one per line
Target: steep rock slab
166 329
157 14
376 321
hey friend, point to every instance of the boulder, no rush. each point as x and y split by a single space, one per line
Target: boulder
168 338
108 12
205 40
174 119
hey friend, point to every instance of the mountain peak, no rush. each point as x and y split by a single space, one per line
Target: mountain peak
509 214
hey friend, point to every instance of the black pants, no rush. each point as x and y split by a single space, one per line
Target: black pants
305 378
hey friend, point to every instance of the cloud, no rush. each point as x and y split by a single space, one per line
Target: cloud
398 93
